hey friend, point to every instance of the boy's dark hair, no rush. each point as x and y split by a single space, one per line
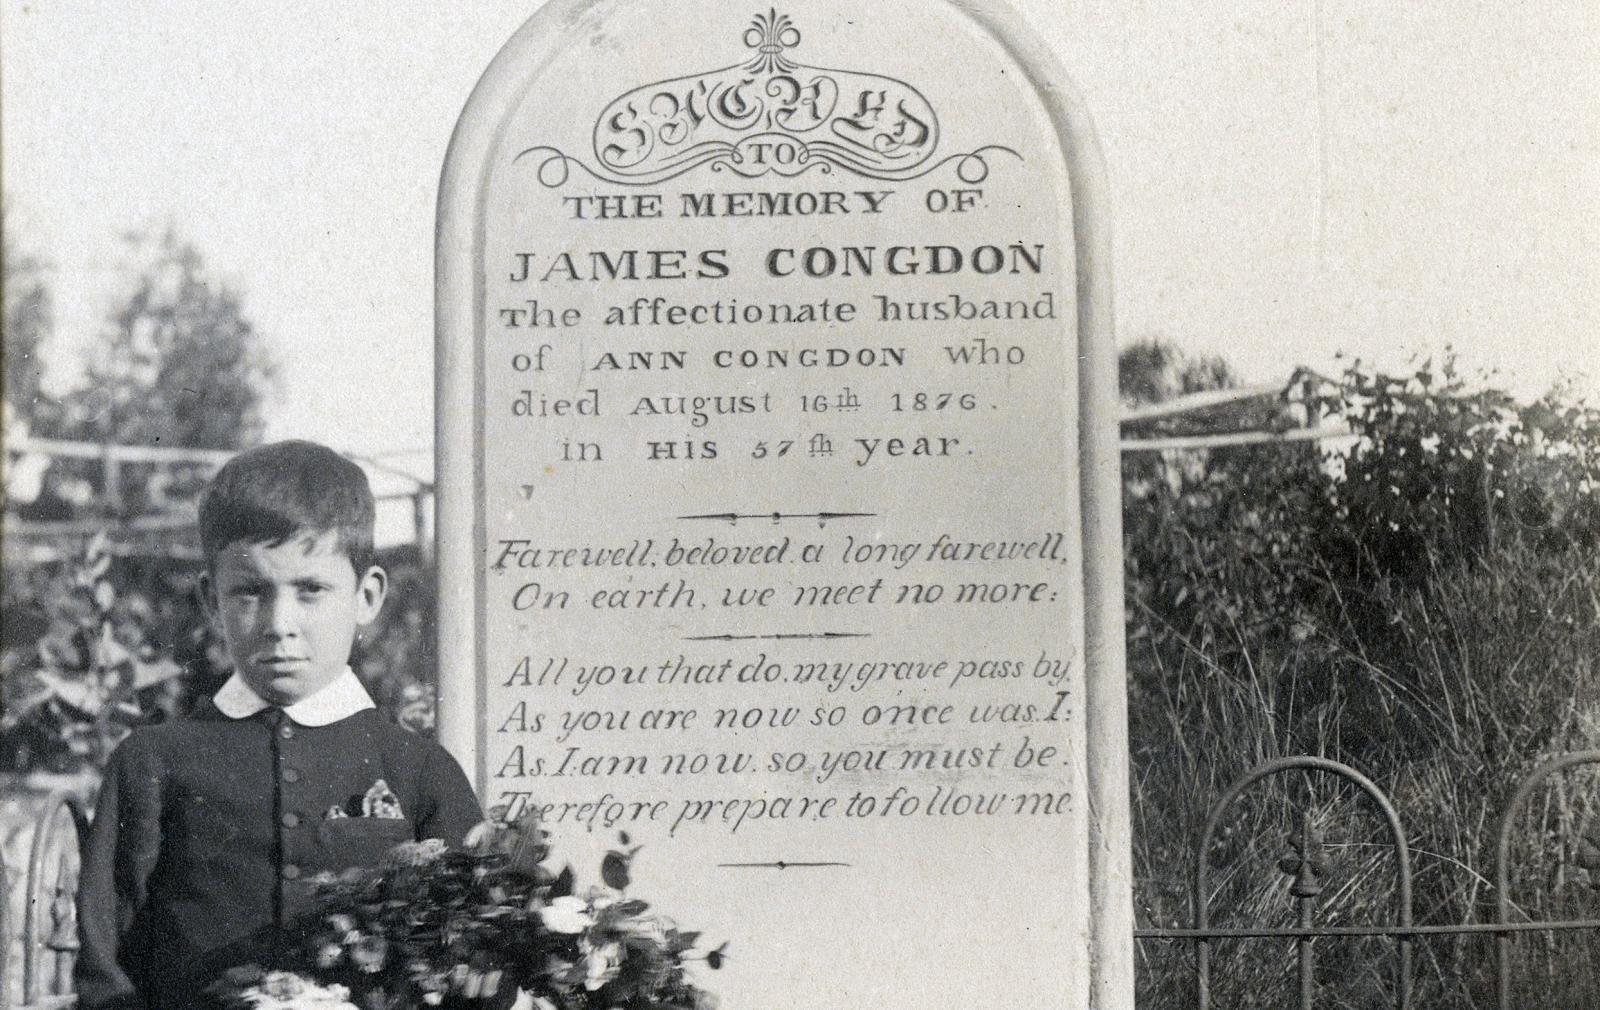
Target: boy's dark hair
272 493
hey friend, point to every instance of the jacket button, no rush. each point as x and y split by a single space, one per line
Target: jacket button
286 731
290 820
291 872
291 775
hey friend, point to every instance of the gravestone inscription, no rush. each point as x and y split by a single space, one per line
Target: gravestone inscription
772 527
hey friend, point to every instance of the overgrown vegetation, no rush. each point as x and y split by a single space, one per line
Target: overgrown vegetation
96 646
1423 604
93 672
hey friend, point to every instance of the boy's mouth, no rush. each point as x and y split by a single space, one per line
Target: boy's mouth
281 662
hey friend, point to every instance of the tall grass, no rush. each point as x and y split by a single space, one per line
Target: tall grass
1446 693
1427 611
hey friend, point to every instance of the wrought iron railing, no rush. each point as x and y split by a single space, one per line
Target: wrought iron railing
37 965
1306 865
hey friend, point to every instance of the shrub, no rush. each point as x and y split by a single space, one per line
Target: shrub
395 656
93 672
1421 605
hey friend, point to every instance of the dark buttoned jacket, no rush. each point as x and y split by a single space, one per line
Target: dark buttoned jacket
208 829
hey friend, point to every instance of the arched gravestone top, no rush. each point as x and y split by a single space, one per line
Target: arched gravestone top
778 489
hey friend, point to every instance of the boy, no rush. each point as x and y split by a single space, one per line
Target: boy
208 829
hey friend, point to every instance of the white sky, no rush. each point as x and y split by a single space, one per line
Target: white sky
1288 179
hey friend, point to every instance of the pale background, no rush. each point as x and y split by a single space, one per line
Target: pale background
1288 179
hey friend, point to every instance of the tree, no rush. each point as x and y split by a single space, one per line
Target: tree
1152 370
179 365
28 321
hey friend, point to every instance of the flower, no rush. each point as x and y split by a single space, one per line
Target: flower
282 985
368 952
416 854
647 928
561 972
603 961
328 955
566 915
428 924
283 990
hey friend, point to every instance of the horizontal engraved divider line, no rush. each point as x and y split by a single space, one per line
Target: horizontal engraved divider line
781 864
792 635
821 517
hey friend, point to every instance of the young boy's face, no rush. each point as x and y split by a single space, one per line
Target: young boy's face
289 611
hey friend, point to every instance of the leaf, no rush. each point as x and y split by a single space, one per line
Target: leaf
110 651
564 883
614 871
149 674
481 833
529 850
18 710
96 557
80 696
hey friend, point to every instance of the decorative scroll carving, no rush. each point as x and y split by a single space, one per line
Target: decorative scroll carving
767 115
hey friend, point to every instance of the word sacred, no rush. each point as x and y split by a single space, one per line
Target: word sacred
802 203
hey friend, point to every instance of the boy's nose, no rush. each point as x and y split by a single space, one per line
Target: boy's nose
282 619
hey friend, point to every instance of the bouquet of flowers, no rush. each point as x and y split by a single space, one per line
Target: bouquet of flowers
477 926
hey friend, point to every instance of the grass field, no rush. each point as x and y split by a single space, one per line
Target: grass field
1445 685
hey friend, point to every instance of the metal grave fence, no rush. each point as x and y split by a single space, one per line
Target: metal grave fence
1305 864
38 917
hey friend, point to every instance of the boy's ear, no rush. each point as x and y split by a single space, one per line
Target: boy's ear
371 589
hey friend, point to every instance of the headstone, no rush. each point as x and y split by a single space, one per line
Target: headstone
778 490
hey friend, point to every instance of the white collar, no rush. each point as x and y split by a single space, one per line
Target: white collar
341 698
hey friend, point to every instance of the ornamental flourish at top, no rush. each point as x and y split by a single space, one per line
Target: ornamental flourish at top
768 114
